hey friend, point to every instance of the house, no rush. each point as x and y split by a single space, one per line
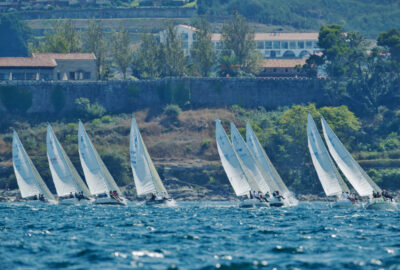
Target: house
49 67
282 68
270 45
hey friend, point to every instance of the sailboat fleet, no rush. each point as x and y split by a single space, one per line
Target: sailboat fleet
251 173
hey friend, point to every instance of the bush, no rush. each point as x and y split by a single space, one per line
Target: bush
15 99
85 109
172 111
205 144
106 119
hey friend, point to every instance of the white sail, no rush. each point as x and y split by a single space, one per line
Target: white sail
251 164
145 174
66 178
262 157
350 168
29 181
97 175
231 163
328 175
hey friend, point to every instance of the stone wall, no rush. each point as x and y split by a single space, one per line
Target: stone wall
108 13
117 96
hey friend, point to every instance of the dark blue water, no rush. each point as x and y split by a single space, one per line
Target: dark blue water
201 235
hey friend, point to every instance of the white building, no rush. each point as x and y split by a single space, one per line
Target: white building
271 45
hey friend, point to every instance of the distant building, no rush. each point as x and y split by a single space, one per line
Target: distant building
270 45
282 68
49 67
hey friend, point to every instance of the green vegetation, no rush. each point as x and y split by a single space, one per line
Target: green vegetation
121 49
370 17
14 36
87 110
172 111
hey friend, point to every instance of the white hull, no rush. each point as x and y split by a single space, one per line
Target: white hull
110 201
344 204
73 201
275 203
380 204
252 203
159 202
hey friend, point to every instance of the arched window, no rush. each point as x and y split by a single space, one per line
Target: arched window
289 54
304 54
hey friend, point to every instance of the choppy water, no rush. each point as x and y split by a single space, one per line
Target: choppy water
201 235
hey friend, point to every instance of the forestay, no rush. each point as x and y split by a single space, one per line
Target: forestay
262 157
145 174
350 168
250 163
328 175
66 178
231 163
29 181
96 174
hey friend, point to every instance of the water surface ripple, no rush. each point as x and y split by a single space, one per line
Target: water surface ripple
197 235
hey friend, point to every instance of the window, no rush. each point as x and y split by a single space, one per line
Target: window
267 53
18 76
278 53
184 36
308 44
2 76
277 44
46 77
86 75
315 44
218 45
260 45
300 44
284 45
72 75
194 36
268 44
31 76
59 76
292 45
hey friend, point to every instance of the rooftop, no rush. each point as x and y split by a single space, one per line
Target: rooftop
276 36
283 63
47 60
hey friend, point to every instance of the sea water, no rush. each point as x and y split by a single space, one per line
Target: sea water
197 235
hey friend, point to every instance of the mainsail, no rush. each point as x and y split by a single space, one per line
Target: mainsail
262 157
231 163
29 181
250 163
97 175
145 174
66 178
350 168
328 175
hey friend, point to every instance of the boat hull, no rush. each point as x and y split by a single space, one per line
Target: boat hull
252 203
343 204
109 201
380 204
157 202
275 203
73 201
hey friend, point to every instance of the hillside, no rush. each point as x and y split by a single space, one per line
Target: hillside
185 153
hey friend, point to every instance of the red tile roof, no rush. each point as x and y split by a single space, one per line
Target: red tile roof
283 63
66 56
47 60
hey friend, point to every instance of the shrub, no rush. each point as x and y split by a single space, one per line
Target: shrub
85 109
205 144
188 148
15 99
172 111
106 119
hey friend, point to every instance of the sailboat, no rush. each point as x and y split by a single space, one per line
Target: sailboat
261 156
30 183
358 178
328 175
101 184
242 183
147 180
254 168
69 185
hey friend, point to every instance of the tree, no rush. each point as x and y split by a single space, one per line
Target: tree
203 51
172 53
238 37
14 36
121 49
146 60
63 38
391 41
95 42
